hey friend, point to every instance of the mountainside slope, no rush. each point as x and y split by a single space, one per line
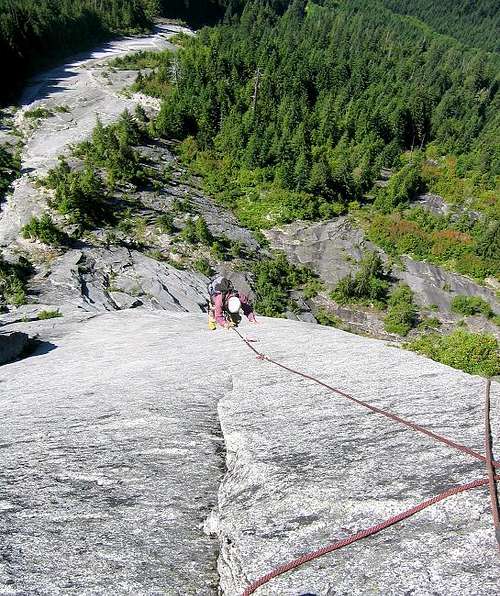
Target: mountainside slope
114 463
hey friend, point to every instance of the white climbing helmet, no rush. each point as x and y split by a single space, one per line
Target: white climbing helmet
233 304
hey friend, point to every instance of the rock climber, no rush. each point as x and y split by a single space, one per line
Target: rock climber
225 303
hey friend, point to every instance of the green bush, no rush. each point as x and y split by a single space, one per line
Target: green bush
37 113
44 230
473 353
203 266
13 278
48 314
368 285
326 318
429 323
9 170
402 187
203 234
165 223
471 305
140 59
401 314
217 250
78 194
111 148
312 288
188 233
274 279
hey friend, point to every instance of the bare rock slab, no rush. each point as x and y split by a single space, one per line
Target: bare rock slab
110 448
307 467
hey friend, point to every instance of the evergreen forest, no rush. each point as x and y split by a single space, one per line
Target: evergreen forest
295 113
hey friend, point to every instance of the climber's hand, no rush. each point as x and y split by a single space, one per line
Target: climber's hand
228 324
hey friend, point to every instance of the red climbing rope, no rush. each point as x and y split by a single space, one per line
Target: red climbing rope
390 415
488 459
489 465
360 535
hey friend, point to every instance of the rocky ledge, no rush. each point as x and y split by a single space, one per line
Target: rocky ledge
12 346
143 454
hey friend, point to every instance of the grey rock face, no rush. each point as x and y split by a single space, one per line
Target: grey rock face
329 248
110 460
114 468
333 248
307 467
12 345
97 279
434 285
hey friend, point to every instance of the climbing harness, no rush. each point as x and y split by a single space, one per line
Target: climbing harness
491 464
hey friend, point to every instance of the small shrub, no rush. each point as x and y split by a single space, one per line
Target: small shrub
429 323
165 223
188 233
471 305
203 266
312 288
473 353
37 113
274 279
178 207
236 249
48 314
326 318
401 315
44 230
203 234
217 251
13 278
368 285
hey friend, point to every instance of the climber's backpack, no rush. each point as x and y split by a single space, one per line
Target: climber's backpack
219 285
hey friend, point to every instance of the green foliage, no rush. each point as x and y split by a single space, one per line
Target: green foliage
326 318
139 60
401 314
401 189
111 148
471 248
474 23
203 234
10 166
471 305
285 121
368 285
196 232
429 323
79 194
165 223
35 33
44 230
473 353
13 278
48 314
274 279
203 266
217 251
312 288
38 113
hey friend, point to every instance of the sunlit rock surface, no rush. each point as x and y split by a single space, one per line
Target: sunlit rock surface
117 479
